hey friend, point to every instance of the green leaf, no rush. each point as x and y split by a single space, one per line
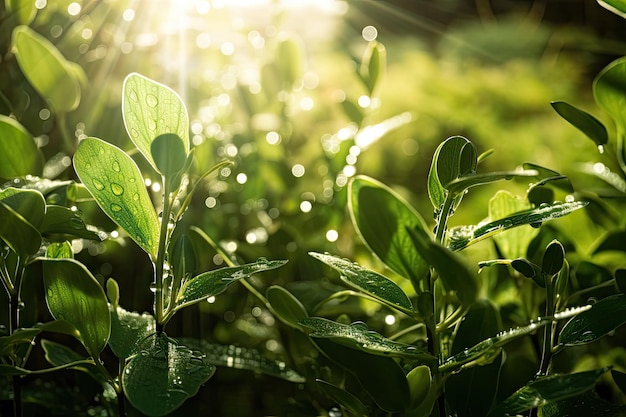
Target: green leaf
613 240
512 243
582 120
587 404
151 109
357 336
214 282
620 379
30 204
115 181
182 260
62 250
19 155
24 10
74 295
464 182
453 272
616 6
163 375
64 223
369 282
545 390
289 60
239 357
604 316
609 90
46 69
169 155
285 306
343 398
17 233
381 218
373 65
462 236
380 376
446 167
128 330
61 355
553 258
420 381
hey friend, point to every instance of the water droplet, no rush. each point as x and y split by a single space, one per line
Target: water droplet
153 286
134 133
117 189
151 100
133 96
334 412
152 124
98 184
116 166
116 208
136 197
601 148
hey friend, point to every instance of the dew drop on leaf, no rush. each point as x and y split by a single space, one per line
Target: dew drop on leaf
151 100
152 124
116 166
133 96
134 133
98 184
116 208
117 189
601 148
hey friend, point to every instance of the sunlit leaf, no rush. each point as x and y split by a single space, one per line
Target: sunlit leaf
214 282
24 10
30 204
46 69
17 233
169 155
240 357
19 155
549 176
285 306
74 295
464 182
359 337
545 390
616 6
463 236
512 243
446 167
582 120
61 223
61 250
553 258
163 375
381 218
604 316
614 240
420 380
369 282
373 65
372 133
151 109
115 181
128 330
182 260
343 398
609 90
289 60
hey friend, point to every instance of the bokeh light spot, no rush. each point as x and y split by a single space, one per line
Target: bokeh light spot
369 33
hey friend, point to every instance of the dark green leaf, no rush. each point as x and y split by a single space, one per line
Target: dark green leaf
620 379
60 355
357 336
183 258
582 120
151 109
553 258
545 390
604 316
616 6
212 283
380 376
526 268
115 181
30 204
539 195
74 295
163 375
587 404
46 69
546 175
128 331
620 280
61 250
381 218
17 233
285 306
62 222
369 282
19 155
343 398
609 90
614 240
169 155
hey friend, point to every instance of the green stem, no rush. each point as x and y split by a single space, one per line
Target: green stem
160 261
548 331
14 324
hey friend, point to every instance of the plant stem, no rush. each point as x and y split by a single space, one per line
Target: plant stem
548 331
160 261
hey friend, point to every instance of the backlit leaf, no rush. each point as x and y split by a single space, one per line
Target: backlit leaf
62 223
446 167
511 243
553 258
285 306
19 155
62 250
30 204
17 233
616 6
604 316
609 89
25 10
128 330
169 155
373 65
582 120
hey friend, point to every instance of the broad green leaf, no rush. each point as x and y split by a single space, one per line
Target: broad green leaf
115 181
462 236
546 175
214 282
609 90
420 381
289 60
61 250
30 204
587 404
46 69
464 182
24 10
19 155
17 233
604 316
446 167
545 390
343 398
582 120
285 306
128 330
151 109
512 243
381 218
163 375
380 376
373 65
358 336
62 223
369 282
240 357
169 155
614 240
74 295
472 391
553 258
616 6
453 272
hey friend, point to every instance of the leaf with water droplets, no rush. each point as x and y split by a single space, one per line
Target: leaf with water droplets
115 182
240 357
164 375
602 318
358 336
214 282
343 398
545 390
369 282
583 121
61 223
128 330
512 243
151 109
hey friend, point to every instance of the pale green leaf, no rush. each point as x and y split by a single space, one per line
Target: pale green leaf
24 10
19 155
512 243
